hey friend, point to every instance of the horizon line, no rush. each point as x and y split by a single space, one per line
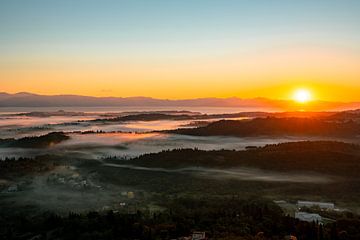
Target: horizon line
178 99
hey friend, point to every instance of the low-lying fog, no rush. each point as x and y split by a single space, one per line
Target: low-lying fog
55 189
134 144
245 174
127 138
138 140
22 126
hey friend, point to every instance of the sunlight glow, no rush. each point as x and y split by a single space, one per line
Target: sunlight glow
302 96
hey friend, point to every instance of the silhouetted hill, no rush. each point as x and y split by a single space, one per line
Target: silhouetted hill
146 117
35 142
352 115
326 157
275 127
155 116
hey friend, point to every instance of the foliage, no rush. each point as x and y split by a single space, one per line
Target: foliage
219 218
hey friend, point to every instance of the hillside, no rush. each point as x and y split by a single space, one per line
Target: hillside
325 157
35 142
275 127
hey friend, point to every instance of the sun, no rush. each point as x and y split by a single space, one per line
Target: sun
302 96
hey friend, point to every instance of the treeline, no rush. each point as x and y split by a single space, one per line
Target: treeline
19 166
219 218
156 116
328 157
36 141
272 126
145 117
183 115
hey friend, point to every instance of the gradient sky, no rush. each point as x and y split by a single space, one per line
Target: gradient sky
181 49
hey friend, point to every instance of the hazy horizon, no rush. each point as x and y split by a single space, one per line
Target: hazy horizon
171 99
34 102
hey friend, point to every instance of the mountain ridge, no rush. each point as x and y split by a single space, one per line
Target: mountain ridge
26 99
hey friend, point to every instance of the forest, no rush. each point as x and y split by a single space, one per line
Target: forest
273 126
220 218
328 157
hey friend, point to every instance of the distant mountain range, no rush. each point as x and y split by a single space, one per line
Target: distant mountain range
24 99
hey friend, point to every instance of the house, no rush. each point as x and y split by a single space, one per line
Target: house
13 188
198 236
130 195
308 217
322 205
290 237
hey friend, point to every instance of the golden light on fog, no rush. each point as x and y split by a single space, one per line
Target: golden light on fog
302 96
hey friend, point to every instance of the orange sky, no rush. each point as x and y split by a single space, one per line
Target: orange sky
330 75
181 49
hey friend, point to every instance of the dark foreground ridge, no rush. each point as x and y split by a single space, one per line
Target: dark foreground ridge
224 208
275 127
35 142
219 218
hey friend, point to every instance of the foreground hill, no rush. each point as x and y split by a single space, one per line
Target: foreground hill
168 204
309 170
275 127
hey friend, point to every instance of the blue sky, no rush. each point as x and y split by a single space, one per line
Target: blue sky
126 26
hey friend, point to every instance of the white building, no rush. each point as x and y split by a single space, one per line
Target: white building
323 205
198 236
308 217
13 188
